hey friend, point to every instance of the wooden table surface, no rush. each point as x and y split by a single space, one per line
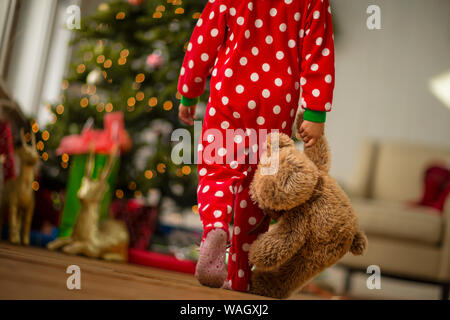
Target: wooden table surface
37 273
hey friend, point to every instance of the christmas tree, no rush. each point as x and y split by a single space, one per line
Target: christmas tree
127 58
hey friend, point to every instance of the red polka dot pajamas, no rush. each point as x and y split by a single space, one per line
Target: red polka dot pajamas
258 53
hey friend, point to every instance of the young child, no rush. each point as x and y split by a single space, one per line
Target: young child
259 53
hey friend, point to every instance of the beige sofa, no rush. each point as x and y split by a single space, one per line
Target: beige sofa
405 241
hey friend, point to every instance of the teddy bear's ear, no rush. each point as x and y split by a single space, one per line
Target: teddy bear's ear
282 139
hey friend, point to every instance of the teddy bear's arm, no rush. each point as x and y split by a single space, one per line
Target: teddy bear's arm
319 153
279 244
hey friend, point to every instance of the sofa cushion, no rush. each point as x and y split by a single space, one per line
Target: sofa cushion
399 220
399 169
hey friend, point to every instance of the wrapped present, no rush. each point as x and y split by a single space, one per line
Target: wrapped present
6 151
140 219
160 261
78 146
101 140
48 208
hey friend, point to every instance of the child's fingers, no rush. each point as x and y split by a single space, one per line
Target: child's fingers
180 114
302 128
302 132
306 139
192 112
310 143
183 114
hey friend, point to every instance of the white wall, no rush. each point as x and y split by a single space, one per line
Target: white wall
382 76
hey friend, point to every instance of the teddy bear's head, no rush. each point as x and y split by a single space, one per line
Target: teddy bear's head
285 177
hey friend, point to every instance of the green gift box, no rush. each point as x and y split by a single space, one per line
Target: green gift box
101 143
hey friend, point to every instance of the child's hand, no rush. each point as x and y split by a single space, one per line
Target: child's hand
187 114
310 132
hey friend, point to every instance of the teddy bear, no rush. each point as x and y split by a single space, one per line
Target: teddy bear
315 222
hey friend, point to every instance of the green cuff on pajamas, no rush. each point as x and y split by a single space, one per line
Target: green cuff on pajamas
189 102
314 116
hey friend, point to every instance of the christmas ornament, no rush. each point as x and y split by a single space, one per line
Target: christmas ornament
174 26
103 7
95 77
18 195
135 2
155 60
109 240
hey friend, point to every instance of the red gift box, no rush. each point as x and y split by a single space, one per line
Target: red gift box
140 220
160 261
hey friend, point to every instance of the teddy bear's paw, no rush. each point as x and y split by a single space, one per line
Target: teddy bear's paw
211 268
262 255
266 284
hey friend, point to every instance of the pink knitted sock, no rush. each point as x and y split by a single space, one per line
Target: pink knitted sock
211 269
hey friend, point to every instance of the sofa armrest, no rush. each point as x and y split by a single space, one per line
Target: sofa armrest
444 268
361 181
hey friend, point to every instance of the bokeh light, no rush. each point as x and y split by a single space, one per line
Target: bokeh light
35 185
148 174
153 101
168 105
161 168
84 102
140 78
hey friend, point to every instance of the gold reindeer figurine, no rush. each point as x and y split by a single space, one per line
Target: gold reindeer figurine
108 240
18 195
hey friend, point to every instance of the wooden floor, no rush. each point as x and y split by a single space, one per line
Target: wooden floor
36 273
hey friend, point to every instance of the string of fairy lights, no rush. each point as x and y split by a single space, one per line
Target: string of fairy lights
90 97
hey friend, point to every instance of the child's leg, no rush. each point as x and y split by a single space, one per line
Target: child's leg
246 217
215 197
215 200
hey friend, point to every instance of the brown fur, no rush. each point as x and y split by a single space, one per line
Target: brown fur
316 223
